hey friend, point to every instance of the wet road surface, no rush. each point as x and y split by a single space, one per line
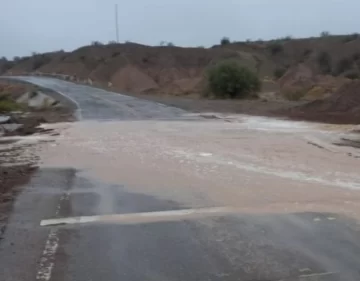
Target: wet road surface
235 247
97 104
258 246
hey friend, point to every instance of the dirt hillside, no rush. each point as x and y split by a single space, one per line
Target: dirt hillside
341 107
306 69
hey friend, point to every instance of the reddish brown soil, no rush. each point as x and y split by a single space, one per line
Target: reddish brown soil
343 107
14 90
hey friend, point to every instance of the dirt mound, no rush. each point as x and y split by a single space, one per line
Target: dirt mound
131 79
341 107
299 75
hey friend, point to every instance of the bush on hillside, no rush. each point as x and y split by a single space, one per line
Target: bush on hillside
228 79
351 37
324 61
40 60
225 41
276 48
96 43
343 65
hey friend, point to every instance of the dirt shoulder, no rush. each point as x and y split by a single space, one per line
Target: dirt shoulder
16 168
198 105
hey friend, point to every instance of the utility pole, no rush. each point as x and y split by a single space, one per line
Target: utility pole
117 23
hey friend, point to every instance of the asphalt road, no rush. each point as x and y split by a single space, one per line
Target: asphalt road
261 247
98 104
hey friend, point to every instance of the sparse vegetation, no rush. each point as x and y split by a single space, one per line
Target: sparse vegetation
351 37
343 65
225 41
279 72
16 59
170 44
307 52
276 48
294 94
7 105
40 60
316 92
325 34
228 79
286 38
324 61
112 42
353 75
96 43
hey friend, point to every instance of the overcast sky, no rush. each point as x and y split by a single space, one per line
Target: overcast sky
48 25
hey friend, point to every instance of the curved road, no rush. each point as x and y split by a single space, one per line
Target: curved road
167 243
99 104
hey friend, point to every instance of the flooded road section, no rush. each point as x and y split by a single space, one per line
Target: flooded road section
181 197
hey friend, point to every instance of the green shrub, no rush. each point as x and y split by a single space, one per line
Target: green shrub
325 34
279 72
276 48
170 44
343 65
225 41
228 79
7 105
324 61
